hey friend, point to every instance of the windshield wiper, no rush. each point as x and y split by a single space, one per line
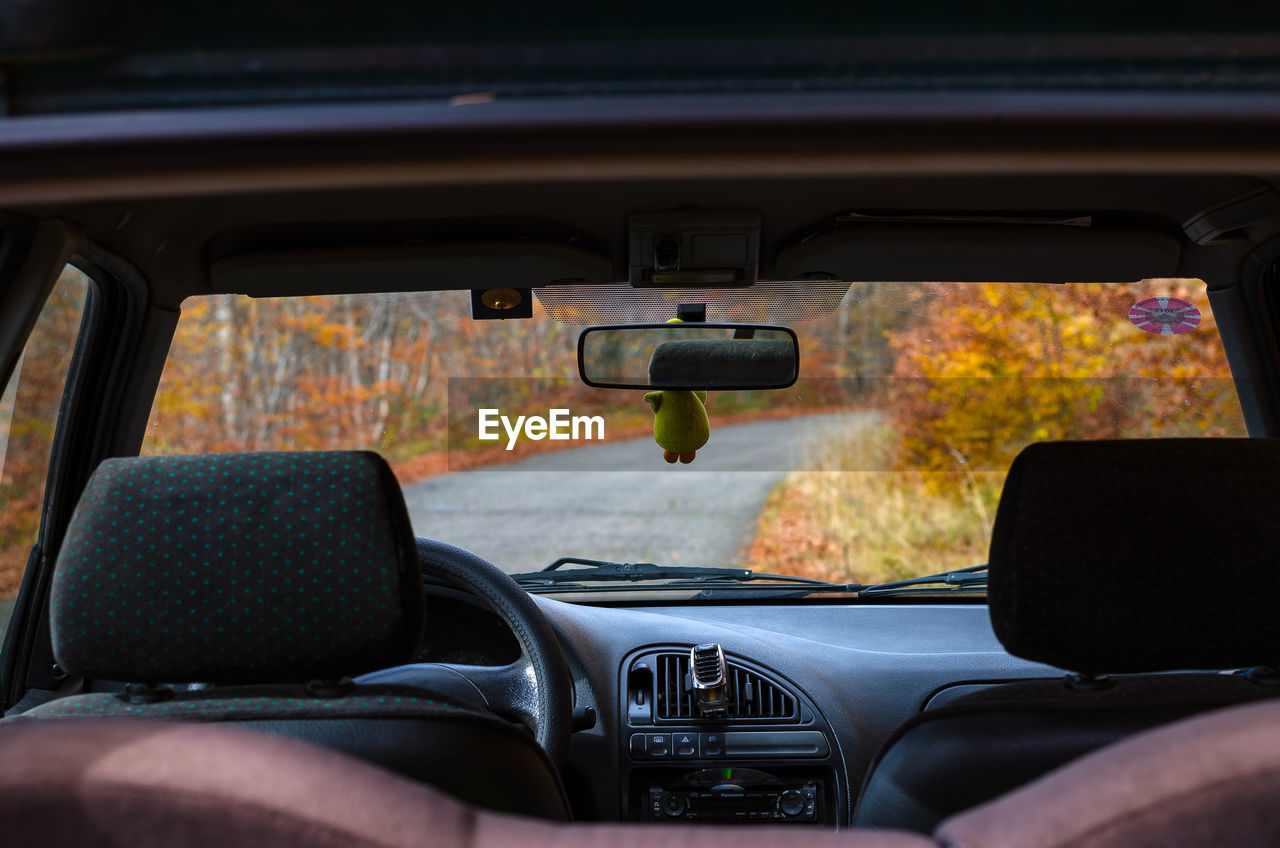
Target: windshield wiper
961 579
712 582
602 571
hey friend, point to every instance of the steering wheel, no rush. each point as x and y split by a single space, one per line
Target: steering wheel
535 690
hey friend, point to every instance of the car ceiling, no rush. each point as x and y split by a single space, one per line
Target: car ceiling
174 191
172 241
77 55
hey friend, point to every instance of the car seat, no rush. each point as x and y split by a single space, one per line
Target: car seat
1151 561
249 589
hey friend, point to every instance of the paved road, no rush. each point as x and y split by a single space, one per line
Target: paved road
620 501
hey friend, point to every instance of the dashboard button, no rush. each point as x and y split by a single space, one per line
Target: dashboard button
711 744
657 745
685 744
637 746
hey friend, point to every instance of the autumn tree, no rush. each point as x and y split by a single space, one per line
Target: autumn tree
28 415
989 368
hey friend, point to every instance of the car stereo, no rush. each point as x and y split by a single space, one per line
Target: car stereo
735 795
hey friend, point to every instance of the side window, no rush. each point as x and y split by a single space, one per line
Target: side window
28 416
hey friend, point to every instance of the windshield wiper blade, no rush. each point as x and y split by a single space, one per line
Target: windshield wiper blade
973 578
961 579
598 571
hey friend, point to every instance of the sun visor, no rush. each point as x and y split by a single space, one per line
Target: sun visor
1000 253
410 267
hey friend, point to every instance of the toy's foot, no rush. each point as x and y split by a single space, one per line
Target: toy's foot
687 458
670 456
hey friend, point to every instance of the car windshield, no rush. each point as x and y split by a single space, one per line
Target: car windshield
884 461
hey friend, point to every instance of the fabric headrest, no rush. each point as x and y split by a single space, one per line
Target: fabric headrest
238 568
1140 555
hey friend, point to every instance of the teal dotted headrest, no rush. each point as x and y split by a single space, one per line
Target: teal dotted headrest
237 568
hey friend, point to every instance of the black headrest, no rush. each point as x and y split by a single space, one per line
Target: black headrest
1142 555
250 567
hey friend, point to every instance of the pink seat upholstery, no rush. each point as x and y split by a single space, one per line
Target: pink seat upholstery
156 784
1209 780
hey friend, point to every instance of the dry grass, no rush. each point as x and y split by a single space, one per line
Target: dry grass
859 519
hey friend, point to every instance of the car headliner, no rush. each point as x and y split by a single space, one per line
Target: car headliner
175 191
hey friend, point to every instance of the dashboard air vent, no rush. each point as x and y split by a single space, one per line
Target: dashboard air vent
751 695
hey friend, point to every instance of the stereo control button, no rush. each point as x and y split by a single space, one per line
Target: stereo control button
674 806
792 803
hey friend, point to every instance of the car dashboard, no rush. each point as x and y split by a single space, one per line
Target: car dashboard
815 690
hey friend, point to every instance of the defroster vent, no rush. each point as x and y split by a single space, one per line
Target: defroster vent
751 695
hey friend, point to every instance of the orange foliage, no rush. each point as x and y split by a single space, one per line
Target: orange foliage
28 415
993 367
369 371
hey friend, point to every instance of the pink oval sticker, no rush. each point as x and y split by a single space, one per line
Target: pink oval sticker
1166 316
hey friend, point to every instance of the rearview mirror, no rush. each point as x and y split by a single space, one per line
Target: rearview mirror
688 356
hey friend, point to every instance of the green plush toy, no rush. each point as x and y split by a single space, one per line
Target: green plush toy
680 424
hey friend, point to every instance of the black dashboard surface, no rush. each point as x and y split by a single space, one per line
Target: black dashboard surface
867 668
